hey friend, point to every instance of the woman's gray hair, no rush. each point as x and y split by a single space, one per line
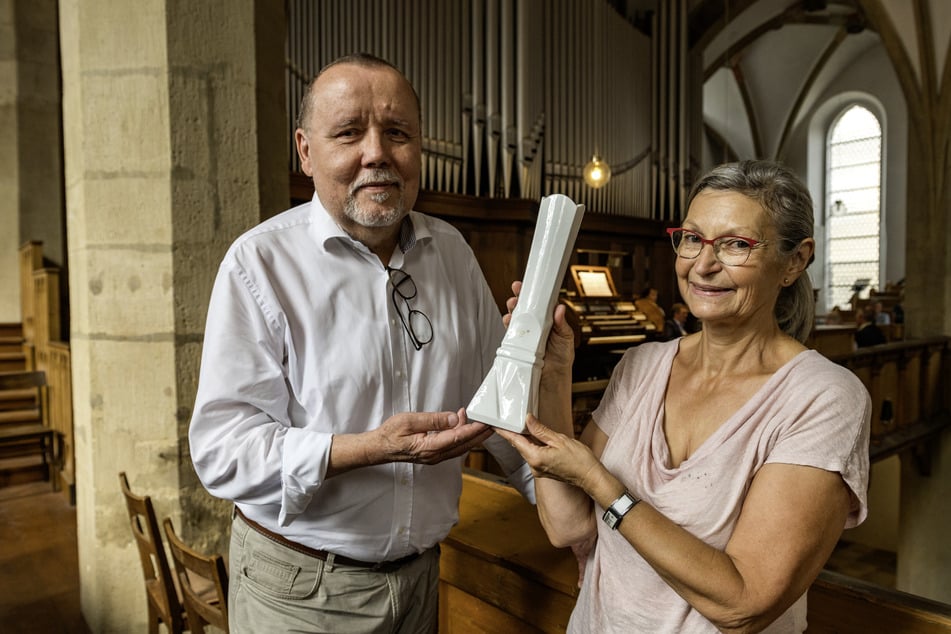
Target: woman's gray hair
789 207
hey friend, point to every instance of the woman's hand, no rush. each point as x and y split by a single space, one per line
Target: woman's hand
556 456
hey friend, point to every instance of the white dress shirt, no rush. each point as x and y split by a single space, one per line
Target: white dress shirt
303 341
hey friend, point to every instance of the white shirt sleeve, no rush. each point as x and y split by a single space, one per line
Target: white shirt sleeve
517 471
242 443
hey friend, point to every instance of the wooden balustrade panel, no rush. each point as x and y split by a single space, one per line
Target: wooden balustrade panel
46 305
909 386
29 355
59 378
31 258
934 397
885 396
911 378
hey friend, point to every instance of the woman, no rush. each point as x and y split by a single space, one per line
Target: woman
647 304
732 458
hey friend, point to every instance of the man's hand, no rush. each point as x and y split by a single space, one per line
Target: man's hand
428 438
420 437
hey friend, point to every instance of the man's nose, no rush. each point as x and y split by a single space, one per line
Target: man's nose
376 151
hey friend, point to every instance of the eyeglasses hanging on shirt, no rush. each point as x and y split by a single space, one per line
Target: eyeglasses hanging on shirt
415 322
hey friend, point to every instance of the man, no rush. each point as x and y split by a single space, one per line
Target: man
677 324
882 318
867 332
329 325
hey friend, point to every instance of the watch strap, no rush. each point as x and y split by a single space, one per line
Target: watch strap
618 509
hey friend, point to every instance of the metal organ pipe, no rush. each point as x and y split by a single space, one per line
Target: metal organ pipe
478 91
683 129
531 87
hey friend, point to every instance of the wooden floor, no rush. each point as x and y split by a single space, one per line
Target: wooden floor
39 569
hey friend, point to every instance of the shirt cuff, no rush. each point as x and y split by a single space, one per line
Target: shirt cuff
306 458
524 481
517 471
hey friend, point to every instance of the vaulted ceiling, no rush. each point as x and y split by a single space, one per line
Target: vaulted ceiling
766 61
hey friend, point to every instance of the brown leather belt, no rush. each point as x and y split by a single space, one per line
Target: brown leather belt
382 566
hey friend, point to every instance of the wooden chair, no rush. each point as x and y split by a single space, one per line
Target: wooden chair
195 570
164 604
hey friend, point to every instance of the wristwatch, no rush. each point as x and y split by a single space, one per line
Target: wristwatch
618 509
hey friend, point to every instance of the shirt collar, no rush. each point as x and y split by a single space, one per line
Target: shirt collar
325 229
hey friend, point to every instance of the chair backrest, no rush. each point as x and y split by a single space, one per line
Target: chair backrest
163 602
204 583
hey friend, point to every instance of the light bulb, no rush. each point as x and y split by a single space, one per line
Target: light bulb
597 173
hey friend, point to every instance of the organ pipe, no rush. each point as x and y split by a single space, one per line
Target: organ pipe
517 94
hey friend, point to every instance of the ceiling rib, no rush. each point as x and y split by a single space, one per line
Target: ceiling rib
817 68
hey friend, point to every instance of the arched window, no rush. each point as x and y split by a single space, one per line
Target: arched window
854 204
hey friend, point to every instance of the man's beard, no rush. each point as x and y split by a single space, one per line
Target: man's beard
376 218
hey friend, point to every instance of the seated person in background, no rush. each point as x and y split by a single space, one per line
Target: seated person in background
882 318
729 460
867 332
676 326
647 304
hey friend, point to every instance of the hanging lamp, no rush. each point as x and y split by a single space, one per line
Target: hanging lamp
597 173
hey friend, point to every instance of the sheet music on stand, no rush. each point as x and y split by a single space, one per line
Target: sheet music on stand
593 281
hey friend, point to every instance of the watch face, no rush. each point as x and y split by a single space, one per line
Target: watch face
616 512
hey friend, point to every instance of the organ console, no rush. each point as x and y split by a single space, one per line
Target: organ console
605 324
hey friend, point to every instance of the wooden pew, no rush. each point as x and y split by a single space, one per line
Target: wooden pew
499 573
909 383
839 604
24 428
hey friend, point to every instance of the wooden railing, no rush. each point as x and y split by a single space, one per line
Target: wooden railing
45 350
909 382
844 605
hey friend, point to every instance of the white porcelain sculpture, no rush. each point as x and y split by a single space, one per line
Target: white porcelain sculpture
510 389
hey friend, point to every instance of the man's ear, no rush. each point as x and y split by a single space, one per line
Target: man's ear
303 151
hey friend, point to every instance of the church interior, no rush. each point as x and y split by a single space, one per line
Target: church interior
140 139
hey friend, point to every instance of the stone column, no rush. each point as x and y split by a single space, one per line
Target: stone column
162 105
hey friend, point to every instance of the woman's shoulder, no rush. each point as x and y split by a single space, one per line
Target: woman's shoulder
647 357
812 363
652 350
814 377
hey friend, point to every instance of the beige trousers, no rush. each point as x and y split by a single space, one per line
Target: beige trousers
275 589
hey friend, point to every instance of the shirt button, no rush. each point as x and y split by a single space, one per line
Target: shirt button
399 374
402 530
